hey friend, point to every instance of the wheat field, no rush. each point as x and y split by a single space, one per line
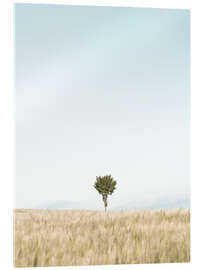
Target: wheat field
76 237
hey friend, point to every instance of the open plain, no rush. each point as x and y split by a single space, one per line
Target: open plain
81 237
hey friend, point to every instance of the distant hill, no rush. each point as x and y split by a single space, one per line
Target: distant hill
69 205
155 204
182 201
60 205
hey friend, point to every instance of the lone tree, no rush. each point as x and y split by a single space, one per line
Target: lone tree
105 185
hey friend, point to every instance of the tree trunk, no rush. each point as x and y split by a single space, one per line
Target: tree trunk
105 201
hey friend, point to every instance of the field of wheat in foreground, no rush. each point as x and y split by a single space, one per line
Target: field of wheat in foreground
62 238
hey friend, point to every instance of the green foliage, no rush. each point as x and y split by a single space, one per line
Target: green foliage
105 185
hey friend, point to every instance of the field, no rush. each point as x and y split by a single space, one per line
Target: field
62 237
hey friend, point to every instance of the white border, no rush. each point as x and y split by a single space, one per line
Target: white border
7 155
183 4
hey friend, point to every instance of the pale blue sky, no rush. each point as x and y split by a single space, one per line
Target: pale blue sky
101 90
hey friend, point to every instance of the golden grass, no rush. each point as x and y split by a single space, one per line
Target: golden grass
62 238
